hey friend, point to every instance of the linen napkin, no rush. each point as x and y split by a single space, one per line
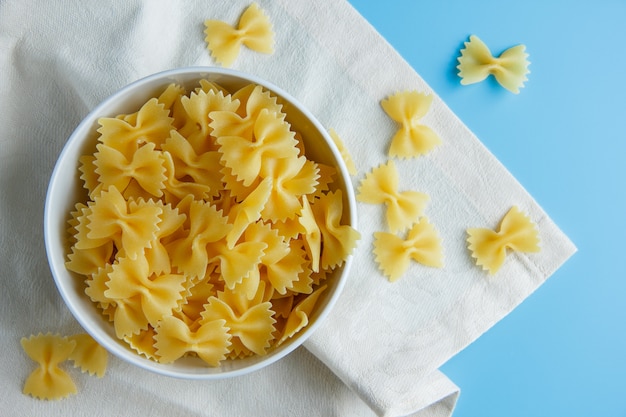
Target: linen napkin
379 350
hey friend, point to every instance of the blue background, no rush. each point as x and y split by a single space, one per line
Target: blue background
562 352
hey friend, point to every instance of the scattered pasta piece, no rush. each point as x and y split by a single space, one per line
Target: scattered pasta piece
88 355
413 138
422 244
380 186
345 154
476 63
254 31
48 381
516 232
203 210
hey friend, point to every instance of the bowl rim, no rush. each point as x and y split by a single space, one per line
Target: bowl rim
56 267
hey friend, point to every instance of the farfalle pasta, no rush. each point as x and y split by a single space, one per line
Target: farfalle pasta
380 186
516 232
476 63
207 231
254 31
49 381
422 244
413 138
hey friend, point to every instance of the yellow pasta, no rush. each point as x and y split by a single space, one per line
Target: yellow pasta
151 124
476 63
249 321
311 234
145 167
204 209
141 298
187 164
299 316
413 138
253 99
88 355
291 179
129 225
516 232
190 254
338 240
271 139
393 254
48 381
174 338
143 343
380 186
254 31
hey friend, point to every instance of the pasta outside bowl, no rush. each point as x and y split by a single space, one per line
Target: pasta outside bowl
67 188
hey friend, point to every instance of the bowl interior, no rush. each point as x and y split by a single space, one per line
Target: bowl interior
65 190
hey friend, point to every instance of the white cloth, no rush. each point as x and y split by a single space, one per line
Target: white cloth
384 341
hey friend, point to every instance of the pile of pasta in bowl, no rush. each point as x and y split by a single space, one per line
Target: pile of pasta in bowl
211 225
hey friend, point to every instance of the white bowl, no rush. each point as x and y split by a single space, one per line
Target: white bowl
65 187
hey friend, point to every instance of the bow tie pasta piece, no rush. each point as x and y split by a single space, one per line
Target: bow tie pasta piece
380 186
393 254
132 227
96 253
252 323
338 241
171 221
254 31
198 105
283 261
145 167
174 339
88 355
149 297
291 179
151 124
271 139
190 253
176 190
476 63
196 168
248 211
413 138
236 263
253 99
48 381
516 232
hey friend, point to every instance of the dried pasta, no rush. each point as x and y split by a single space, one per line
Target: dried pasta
393 254
413 138
254 31
206 226
516 232
49 381
476 63
88 355
380 186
